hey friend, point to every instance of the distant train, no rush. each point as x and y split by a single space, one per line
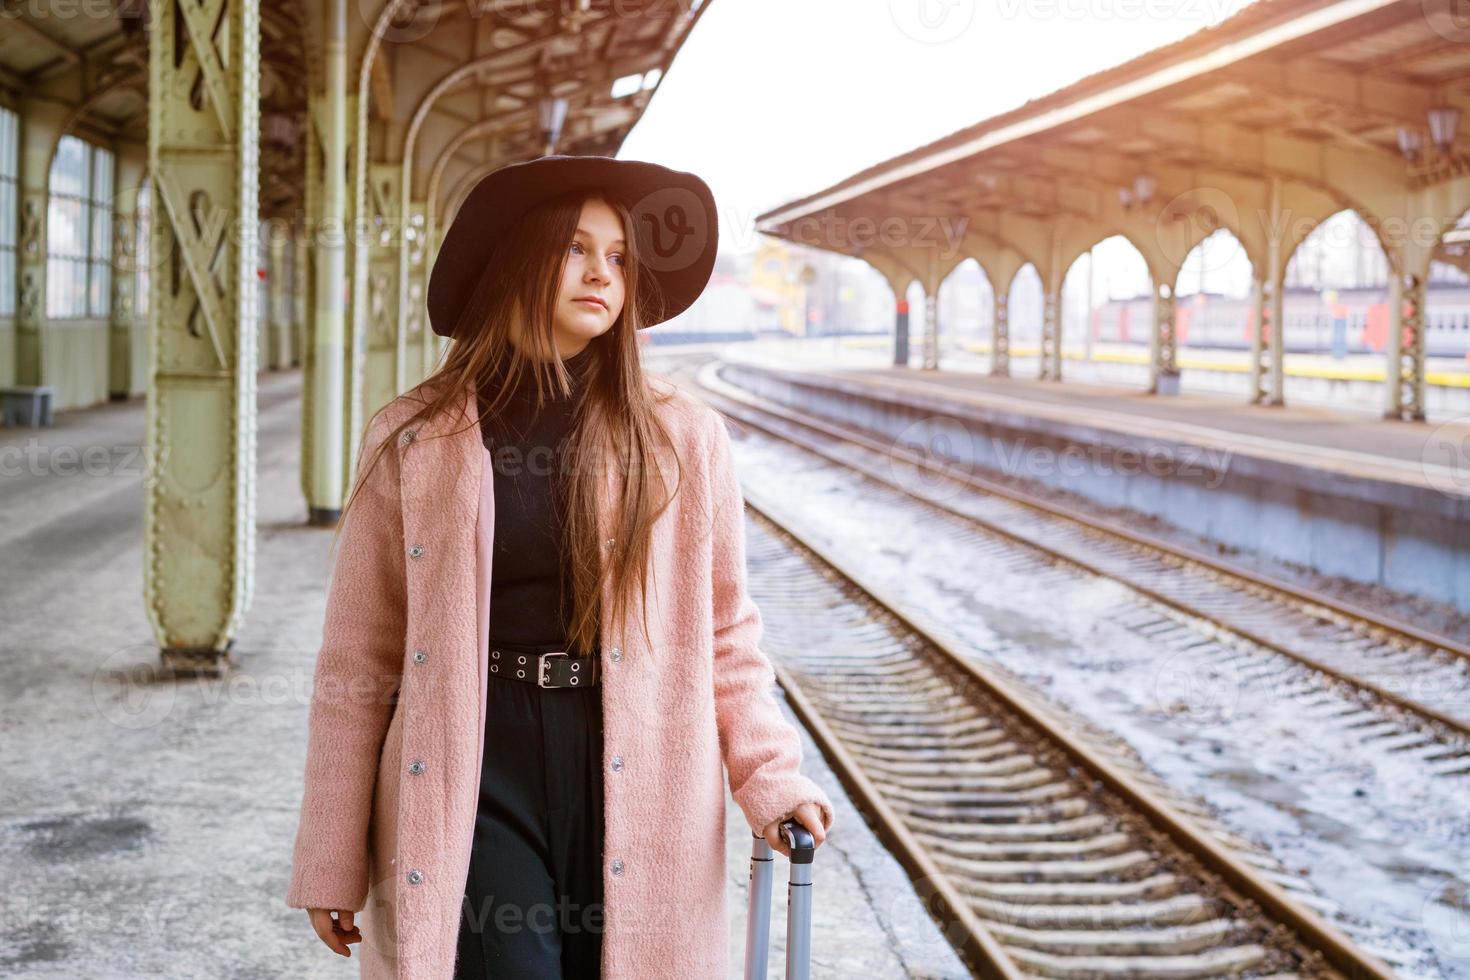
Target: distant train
1347 321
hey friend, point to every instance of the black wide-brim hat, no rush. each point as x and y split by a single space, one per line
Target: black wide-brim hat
674 224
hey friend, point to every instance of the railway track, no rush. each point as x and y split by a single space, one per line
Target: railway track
1415 686
1041 848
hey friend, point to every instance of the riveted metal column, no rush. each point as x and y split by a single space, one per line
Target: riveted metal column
1276 341
1051 336
125 374
1267 350
40 127
931 283
359 238
411 312
300 299
1163 365
326 485
199 522
1405 374
1000 336
387 354
1261 314
308 257
1051 313
280 305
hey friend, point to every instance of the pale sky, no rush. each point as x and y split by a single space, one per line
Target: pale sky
771 100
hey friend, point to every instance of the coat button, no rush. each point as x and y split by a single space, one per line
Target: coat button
616 654
408 436
611 542
416 551
420 656
417 767
617 867
617 763
415 877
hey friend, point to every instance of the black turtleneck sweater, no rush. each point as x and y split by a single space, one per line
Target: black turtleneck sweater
528 451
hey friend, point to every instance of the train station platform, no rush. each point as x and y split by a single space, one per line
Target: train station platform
1307 489
148 822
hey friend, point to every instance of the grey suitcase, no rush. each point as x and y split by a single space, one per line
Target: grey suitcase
798 904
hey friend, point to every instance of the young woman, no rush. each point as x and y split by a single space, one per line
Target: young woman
539 655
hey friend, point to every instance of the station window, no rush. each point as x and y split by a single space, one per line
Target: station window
79 231
9 207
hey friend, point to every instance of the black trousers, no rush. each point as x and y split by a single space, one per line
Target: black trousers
533 900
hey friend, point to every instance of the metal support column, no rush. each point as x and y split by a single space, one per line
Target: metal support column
1163 363
931 329
1051 312
41 126
327 484
203 142
1268 350
1000 337
387 354
124 374
279 299
413 272
1405 374
1051 336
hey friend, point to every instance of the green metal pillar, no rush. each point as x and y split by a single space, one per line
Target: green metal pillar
387 354
413 316
327 482
123 376
280 306
40 128
308 254
203 142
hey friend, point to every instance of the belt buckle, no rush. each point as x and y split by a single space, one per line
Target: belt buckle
544 671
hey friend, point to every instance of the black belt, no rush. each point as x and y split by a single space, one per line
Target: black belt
554 668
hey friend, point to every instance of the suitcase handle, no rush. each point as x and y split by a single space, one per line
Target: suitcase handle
798 904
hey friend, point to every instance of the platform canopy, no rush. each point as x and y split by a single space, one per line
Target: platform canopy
1306 90
465 81
1264 125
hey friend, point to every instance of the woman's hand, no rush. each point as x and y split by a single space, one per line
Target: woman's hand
336 933
809 815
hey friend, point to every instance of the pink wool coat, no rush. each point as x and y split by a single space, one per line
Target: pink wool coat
408 611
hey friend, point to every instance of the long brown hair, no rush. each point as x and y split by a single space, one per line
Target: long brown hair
615 421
